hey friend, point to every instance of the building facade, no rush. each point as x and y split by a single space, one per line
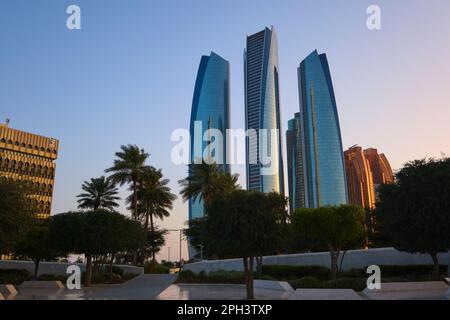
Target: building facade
366 171
324 171
295 166
210 110
359 178
381 169
264 166
30 158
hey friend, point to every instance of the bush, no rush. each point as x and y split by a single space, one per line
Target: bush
410 270
155 268
305 282
14 276
220 276
186 276
285 272
118 271
51 277
357 284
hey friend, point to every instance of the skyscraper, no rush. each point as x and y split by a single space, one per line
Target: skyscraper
359 178
210 110
29 158
325 182
381 169
295 160
366 171
262 111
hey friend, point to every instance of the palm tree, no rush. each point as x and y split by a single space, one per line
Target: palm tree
155 199
127 168
207 182
100 193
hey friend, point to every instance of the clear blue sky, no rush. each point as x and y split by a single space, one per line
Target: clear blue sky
128 75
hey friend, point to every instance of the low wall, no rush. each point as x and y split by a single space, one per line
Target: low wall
353 259
58 268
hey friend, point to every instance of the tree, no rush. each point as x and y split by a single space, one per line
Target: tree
17 212
240 223
100 193
333 227
414 212
206 182
91 233
155 240
155 200
127 168
36 245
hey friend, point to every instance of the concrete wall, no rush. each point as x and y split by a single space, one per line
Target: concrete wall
353 259
57 268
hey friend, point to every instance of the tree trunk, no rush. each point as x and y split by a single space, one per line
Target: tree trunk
152 227
36 268
436 274
111 267
259 262
87 281
334 259
245 269
250 293
135 218
145 238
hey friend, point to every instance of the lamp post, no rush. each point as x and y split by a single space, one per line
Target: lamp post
181 239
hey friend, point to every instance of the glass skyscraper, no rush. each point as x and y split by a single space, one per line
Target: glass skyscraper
295 151
324 170
262 111
210 110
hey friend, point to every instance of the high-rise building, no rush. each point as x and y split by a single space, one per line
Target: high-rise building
381 169
359 178
324 171
262 111
210 110
30 158
295 160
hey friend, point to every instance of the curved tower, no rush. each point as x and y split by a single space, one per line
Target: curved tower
210 110
325 181
262 111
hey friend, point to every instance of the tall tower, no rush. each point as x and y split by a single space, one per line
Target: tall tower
324 171
210 110
262 111
295 165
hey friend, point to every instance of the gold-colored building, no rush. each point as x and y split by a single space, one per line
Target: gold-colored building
366 171
359 178
30 158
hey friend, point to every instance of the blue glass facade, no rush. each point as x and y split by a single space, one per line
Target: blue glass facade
262 111
210 110
324 171
295 158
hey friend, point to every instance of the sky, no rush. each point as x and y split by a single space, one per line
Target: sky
128 76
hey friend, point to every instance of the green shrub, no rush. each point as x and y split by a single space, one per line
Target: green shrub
155 268
14 276
222 276
305 282
51 277
186 276
285 272
118 271
357 284
410 270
